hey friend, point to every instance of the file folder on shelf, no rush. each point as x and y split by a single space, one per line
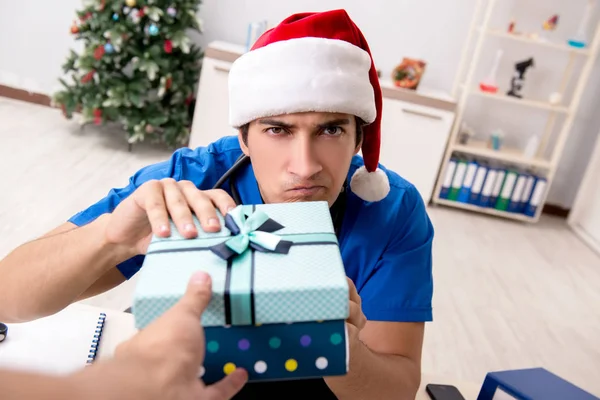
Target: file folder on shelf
497 187
465 190
488 187
507 190
515 200
457 181
477 187
448 175
536 198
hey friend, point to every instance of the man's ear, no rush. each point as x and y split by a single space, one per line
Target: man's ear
242 144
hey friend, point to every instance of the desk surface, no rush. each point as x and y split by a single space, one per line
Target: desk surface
120 327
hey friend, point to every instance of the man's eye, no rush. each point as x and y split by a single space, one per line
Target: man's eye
275 130
333 130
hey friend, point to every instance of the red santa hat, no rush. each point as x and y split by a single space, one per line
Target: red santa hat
314 62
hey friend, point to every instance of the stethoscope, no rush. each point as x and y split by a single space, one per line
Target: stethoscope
337 210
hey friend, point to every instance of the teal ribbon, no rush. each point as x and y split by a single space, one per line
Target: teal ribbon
249 233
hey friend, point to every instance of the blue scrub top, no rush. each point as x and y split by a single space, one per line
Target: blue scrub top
386 246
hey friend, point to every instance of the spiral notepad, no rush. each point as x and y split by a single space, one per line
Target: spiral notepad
58 344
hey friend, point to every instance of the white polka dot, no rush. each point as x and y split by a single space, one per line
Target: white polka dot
321 363
226 326
201 372
260 367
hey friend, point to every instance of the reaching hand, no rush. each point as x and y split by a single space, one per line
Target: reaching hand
356 318
170 351
147 210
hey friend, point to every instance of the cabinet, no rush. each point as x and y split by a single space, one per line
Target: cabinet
413 141
584 218
414 132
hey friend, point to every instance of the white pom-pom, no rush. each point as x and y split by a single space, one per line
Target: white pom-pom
370 186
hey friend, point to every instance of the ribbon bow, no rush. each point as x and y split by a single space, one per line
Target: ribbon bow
253 232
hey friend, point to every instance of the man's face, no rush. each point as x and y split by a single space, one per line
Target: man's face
301 157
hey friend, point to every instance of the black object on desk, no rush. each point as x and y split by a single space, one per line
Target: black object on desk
3 331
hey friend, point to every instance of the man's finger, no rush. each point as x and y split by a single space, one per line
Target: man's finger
227 387
353 293
198 294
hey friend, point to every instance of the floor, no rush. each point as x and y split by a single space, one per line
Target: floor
507 295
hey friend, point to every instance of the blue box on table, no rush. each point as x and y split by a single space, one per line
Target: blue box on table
280 294
530 384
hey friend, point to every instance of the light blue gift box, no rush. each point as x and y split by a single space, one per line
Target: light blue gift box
280 295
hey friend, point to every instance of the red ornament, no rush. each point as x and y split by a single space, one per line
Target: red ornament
88 77
189 100
99 52
142 12
168 83
168 46
74 29
102 4
97 116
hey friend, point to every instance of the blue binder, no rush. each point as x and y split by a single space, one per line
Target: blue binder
448 176
477 187
538 191
465 190
527 192
515 201
530 384
488 186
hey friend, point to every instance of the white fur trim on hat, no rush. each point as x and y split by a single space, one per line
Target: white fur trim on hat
370 186
301 75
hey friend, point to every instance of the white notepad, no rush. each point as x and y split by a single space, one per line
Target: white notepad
59 344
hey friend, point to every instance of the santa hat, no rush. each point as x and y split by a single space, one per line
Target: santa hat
314 62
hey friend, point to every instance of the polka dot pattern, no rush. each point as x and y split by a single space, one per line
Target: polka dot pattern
260 367
244 344
274 342
276 351
321 363
229 368
212 346
305 340
336 339
291 365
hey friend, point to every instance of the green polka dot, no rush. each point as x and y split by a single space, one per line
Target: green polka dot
336 338
212 346
274 342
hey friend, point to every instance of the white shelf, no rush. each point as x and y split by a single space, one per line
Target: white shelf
526 39
510 155
522 102
467 84
485 210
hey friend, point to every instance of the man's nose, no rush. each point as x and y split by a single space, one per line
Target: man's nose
304 163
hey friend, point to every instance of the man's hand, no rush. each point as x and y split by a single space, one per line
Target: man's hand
356 320
169 353
147 210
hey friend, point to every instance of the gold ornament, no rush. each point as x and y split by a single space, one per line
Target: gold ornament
130 3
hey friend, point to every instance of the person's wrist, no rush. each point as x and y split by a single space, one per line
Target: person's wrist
119 251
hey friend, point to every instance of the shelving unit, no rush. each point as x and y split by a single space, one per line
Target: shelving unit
545 161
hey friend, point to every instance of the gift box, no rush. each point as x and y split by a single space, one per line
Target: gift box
280 295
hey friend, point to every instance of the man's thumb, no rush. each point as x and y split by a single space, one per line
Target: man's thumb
198 293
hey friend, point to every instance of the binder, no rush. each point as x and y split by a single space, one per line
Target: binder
465 190
450 169
488 186
515 200
477 187
527 192
59 344
530 384
506 192
457 181
536 198
497 187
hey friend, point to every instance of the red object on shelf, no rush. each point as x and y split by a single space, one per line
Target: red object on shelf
488 88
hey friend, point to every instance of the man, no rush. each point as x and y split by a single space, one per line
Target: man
162 362
306 100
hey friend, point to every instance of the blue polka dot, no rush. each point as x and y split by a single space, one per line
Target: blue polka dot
305 340
336 338
244 344
212 346
274 342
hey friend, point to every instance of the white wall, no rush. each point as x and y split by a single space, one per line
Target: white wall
394 29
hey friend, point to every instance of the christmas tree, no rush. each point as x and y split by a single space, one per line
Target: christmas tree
138 68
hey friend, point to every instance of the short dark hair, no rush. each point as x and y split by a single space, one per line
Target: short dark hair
359 130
